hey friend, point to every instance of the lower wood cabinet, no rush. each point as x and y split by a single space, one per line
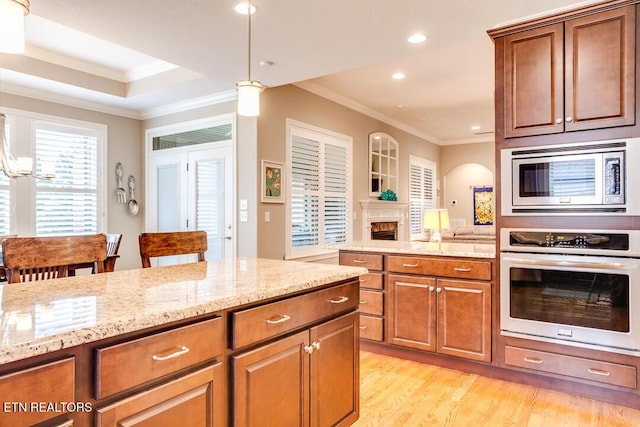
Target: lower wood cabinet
444 315
309 378
193 400
49 386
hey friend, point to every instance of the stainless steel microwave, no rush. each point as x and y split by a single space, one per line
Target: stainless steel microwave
569 179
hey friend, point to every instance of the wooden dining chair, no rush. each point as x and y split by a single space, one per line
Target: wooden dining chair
154 245
29 259
113 246
3 275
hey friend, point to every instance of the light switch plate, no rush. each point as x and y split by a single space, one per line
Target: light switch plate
244 216
243 204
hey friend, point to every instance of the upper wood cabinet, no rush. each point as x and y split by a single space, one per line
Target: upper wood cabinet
569 76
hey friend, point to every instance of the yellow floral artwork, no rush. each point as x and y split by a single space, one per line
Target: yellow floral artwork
482 205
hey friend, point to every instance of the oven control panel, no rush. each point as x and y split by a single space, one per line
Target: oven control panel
608 241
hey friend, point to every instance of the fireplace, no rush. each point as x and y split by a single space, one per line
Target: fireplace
384 230
383 220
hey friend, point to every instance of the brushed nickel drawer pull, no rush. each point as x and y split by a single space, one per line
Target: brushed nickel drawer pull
410 265
599 372
338 300
363 280
183 350
363 327
363 301
463 269
533 360
281 319
359 261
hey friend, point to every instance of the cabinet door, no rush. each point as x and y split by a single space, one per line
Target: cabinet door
335 372
271 384
533 82
600 70
412 312
191 400
464 319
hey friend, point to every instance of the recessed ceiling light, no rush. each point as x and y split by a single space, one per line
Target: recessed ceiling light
399 105
475 127
241 8
266 63
417 38
398 76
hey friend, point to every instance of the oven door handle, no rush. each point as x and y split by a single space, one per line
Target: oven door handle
580 264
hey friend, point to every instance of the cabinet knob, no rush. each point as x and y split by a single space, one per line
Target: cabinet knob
308 349
438 290
569 119
432 288
315 345
559 120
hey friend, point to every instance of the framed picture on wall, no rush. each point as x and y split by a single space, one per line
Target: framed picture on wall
483 205
272 182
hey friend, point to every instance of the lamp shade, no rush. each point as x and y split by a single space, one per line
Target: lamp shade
249 97
12 14
436 219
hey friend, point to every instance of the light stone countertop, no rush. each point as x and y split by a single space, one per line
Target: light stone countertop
454 249
42 317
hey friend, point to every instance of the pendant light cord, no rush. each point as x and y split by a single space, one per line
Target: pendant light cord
249 38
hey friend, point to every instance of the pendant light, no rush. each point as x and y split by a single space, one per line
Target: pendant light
12 13
248 90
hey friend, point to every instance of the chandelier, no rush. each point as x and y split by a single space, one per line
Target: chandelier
17 167
249 90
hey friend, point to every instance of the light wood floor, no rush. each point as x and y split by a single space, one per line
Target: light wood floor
403 393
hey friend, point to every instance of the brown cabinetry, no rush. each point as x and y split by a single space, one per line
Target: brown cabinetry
577 367
183 398
569 76
309 378
37 394
372 293
190 400
448 316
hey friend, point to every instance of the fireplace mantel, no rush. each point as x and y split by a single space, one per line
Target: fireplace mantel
379 210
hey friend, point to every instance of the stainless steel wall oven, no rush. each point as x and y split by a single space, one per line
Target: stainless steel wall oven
574 287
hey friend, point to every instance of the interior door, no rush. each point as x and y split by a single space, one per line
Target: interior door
209 194
193 190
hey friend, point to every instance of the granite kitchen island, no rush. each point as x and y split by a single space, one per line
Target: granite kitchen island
150 345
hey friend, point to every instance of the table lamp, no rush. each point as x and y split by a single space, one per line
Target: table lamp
436 220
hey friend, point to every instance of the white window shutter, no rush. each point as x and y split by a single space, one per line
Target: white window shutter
68 203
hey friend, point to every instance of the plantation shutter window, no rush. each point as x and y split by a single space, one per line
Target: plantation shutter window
422 193
70 203
319 191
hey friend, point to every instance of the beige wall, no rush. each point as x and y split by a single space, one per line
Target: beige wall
278 104
123 145
461 168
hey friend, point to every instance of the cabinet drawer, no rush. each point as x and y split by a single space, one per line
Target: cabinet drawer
370 261
371 328
148 358
44 384
458 267
371 302
372 281
588 369
190 400
269 320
